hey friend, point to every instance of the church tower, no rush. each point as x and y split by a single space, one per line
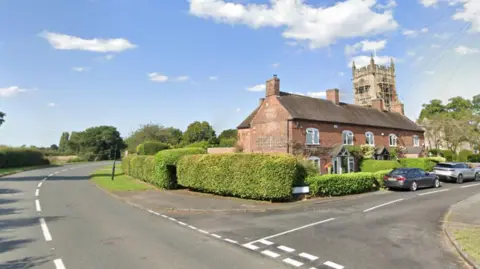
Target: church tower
376 82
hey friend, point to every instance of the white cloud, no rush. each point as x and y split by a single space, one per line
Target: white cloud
182 78
68 42
237 110
297 93
275 65
11 91
52 104
257 88
317 94
109 57
469 13
213 78
157 77
435 46
442 36
364 46
424 30
428 3
361 61
429 72
291 43
341 74
319 26
80 69
388 5
466 50
411 53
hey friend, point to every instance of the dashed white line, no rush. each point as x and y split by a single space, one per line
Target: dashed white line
203 231
270 253
426 193
37 191
165 216
51 175
44 179
192 227
287 249
308 256
55 173
39 184
333 265
231 241
216 235
250 246
37 205
265 242
59 264
293 262
182 223
378 206
172 219
471 185
46 232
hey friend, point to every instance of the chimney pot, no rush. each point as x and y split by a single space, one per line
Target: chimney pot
333 96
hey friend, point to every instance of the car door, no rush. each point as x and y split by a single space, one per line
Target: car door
467 171
414 175
425 180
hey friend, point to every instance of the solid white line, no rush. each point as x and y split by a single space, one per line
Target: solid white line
164 216
471 185
37 192
231 241
46 232
293 230
182 223
333 265
265 242
59 264
287 249
375 207
250 246
39 184
293 262
37 205
216 235
192 227
150 211
270 253
203 231
308 256
425 193
172 219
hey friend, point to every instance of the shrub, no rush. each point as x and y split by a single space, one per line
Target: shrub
393 153
377 165
422 163
464 154
435 152
355 151
200 144
151 148
449 155
437 159
305 168
379 177
341 184
227 142
474 158
16 157
368 151
246 175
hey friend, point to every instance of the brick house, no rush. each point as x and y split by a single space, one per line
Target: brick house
322 129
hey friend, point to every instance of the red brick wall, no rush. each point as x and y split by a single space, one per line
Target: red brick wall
244 139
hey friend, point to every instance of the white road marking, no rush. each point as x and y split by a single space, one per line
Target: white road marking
172 219
64 170
51 175
293 262
192 227
471 185
378 206
39 184
216 235
334 265
231 241
44 179
37 192
59 264
46 232
287 249
164 216
182 223
151 211
55 173
270 253
292 230
425 193
203 231
308 256
265 242
37 205
250 246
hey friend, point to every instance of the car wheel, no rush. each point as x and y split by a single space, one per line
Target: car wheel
436 183
477 176
460 179
414 186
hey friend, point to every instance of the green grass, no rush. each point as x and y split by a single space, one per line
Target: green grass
122 182
13 170
469 240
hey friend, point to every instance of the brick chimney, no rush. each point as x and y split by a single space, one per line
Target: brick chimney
398 107
378 104
333 96
273 86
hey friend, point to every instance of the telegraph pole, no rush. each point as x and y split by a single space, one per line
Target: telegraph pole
114 161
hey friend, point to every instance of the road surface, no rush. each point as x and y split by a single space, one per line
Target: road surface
56 218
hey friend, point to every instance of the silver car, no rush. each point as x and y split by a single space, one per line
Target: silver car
458 172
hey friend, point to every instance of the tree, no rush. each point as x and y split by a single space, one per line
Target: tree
459 104
98 143
433 130
62 146
455 132
74 143
433 108
199 131
228 138
476 104
153 132
2 118
54 147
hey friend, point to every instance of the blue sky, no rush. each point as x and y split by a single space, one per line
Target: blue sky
69 65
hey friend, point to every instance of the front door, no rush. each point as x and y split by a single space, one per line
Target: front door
343 164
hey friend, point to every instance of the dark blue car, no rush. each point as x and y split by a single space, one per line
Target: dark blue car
410 178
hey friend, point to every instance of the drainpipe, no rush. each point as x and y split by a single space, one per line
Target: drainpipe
288 136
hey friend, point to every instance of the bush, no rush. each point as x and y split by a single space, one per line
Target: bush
227 142
377 165
246 175
449 155
151 148
368 151
305 168
17 157
393 153
435 152
422 163
474 158
464 154
341 184
200 144
379 177
437 159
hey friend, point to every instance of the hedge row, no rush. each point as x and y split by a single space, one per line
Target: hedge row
342 184
16 157
160 169
474 158
378 165
422 163
246 175
426 164
151 148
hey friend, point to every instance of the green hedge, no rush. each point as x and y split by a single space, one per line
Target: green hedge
464 154
377 165
341 184
474 158
449 155
151 148
246 175
17 157
379 177
422 163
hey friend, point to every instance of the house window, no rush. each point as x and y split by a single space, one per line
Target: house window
416 141
347 137
315 161
313 136
393 140
369 138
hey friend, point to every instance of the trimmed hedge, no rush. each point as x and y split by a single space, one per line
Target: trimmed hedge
475 158
377 165
17 157
464 154
422 163
151 148
341 184
449 155
379 177
245 175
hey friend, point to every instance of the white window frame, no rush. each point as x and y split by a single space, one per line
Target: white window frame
345 137
367 134
313 159
416 141
315 136
390 140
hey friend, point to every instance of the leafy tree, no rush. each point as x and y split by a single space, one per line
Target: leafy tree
74 143
153 132
228 138
476 104
459 104
199 131
54 147
98 143
435 107
2 118
62 146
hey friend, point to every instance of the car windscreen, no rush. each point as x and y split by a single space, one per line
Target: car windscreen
444 165
399 172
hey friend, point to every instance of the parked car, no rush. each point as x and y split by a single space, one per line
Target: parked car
455 171
410 178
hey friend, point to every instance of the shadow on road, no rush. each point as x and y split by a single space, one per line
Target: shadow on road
9 211
8 244
25 222
9 191
53 178
28 262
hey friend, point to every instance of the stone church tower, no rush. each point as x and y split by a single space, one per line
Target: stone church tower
374 85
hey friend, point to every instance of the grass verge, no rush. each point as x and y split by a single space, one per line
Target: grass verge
122 182
13 170
469 240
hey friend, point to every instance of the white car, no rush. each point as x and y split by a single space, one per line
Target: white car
458 172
